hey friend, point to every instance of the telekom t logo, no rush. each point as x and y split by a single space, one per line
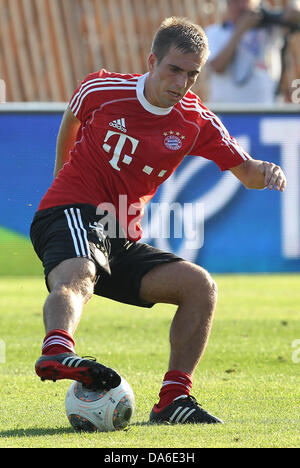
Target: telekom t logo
119 147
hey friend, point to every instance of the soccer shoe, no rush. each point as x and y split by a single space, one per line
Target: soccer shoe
183 410
70 366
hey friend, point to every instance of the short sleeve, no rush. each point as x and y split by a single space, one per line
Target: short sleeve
87 96
216 144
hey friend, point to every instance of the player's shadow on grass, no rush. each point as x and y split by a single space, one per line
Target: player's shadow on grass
140 423
40 431
36 432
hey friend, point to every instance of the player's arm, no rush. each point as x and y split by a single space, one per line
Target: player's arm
66 139
247 21
255 174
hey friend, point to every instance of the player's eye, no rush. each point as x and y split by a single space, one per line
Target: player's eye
175 69
193 74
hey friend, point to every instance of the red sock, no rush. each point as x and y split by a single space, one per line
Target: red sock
175 383
58 341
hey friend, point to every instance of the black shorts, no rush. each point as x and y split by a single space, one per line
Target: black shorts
70 231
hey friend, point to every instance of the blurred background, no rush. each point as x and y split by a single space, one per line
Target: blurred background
48 46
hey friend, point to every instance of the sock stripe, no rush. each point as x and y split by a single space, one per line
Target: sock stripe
55 339
59 343
173 382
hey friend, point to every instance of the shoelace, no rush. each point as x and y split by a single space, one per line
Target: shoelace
193 400
91 358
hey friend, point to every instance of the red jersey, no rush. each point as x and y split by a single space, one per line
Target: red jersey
126 147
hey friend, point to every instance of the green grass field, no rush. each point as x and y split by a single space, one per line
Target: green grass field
16 255
247 376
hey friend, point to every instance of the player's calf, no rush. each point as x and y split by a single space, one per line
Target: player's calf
71 285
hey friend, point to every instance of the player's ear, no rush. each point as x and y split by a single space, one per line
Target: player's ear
152 62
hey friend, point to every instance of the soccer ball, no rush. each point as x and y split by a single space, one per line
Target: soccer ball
103 411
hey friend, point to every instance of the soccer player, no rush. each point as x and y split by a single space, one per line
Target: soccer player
120 138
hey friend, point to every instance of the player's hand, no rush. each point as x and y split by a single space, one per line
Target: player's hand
248 20
274 176
292 15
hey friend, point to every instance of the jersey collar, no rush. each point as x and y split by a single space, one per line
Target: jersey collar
146 104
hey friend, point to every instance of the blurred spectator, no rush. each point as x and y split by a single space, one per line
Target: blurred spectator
291 68
245 64
294 56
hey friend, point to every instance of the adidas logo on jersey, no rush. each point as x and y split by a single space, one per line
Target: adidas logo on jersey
119 124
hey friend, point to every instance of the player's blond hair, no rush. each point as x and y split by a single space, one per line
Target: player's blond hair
183 35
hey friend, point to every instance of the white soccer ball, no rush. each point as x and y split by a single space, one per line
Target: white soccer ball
103 411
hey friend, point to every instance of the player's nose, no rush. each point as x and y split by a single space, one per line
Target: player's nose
181 82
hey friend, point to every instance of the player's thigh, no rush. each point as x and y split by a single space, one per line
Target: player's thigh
176 282
77 274
70 244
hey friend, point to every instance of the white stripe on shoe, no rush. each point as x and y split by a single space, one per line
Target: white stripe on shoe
175 413
180 415
187 415
72 361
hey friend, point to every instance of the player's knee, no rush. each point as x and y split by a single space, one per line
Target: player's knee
212 289
83 283
79 282
74 290
85 287
208 290
202 288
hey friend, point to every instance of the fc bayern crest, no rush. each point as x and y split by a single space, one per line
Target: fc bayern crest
173 141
